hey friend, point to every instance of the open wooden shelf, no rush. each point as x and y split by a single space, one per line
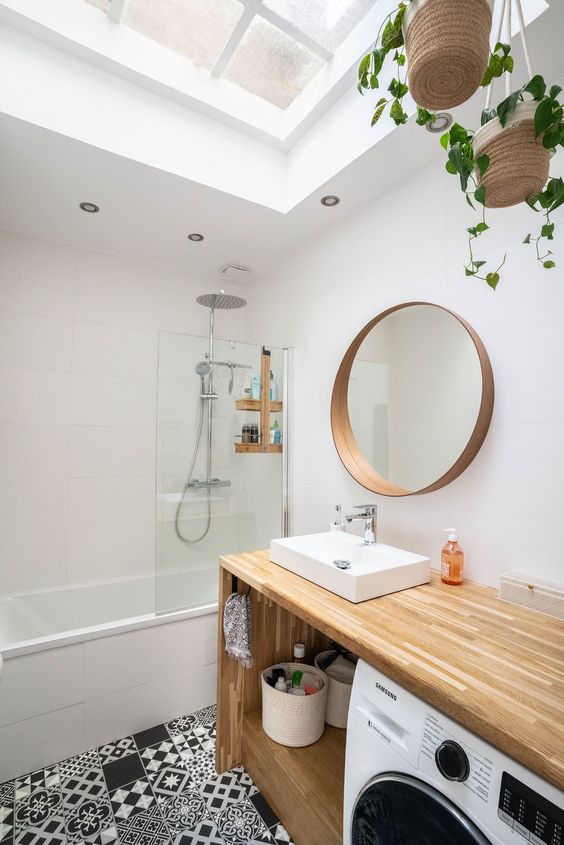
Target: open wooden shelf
258 447
256 405
304 786
265 408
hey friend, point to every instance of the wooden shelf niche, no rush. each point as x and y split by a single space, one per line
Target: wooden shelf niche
265 408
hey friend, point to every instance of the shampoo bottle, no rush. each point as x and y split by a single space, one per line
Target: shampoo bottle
452 560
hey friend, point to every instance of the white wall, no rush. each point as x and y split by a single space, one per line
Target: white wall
78 358
410 244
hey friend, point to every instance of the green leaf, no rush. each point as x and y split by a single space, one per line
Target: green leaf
470 203
554 92
378 57
544 116
450 168
536 86
508 64
507 107
380 106
482 227
478 264
397 113
483 162
398 89
363 66
444 140
457 134
487 115
480 195
401 59
373 81
547 231
548 265
492 279
527 239
551 138
472 231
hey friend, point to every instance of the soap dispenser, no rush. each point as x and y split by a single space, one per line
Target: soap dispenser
452 560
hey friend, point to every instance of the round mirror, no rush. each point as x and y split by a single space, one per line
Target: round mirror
412 400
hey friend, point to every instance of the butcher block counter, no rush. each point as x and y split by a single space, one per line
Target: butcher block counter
496 668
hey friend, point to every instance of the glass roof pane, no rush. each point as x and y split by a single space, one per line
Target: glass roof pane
100 4
328 21
197 29
272 65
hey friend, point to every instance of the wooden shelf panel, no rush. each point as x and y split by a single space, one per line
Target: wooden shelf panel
258 448
256 405
304 786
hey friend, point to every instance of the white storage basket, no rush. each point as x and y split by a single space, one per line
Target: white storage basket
338 698
293 720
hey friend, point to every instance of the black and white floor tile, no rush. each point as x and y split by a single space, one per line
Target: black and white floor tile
157 787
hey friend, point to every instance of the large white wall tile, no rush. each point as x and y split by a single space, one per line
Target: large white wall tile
34 743
33 563
34 508
138 657
109 401
37 683
34 397
111 451
36 276
32 342
106 350
34 451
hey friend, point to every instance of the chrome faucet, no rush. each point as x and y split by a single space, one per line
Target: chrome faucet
368 516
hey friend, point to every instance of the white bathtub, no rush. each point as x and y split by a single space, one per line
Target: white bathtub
85 664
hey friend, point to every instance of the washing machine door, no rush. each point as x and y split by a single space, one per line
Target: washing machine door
396 809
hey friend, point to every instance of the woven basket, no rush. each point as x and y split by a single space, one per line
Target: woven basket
519 164
294 720
447 44
338 698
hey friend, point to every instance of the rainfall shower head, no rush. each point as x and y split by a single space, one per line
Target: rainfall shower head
202 368
221 300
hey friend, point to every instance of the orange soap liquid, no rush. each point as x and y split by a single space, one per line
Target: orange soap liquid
452 564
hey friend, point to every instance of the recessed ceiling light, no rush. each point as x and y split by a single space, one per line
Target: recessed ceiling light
442 121
90 207
330 200
196 237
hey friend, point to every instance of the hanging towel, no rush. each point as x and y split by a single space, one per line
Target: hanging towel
237 628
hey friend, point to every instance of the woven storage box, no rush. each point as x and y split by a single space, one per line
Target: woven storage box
532 592
519 164
448 45
293 720
338 698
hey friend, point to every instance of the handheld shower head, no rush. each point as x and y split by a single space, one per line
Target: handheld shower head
202 368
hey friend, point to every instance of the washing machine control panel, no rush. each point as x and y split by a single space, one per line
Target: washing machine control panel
534 817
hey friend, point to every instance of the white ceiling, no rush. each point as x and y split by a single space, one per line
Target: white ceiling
147 212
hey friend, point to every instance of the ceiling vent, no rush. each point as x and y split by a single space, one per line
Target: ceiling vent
234 271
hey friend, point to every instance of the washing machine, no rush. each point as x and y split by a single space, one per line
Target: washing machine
415 777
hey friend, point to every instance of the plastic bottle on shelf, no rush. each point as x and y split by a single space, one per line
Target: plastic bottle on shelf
452 560
273 388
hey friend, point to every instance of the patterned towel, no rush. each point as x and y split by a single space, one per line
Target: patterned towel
237 628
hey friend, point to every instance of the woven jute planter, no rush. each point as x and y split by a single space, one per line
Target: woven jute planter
447 44
519 164
292 720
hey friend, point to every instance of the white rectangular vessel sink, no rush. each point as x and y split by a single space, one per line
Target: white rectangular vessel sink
374 570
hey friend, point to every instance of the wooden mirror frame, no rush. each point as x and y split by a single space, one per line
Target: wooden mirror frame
345 442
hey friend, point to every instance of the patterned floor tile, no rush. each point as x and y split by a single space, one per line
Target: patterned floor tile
50 832
123 771
40 779
201 767
170 782
222 791
151 737
108 836
116 750
160 756
7 791
202 738
133 798
281 835
240 824
264 810
85 785
144 828
6 821
35 809
88 820
183 725
205 833
79 764
245 780
184 812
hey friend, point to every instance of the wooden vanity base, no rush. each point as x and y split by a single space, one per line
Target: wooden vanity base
304 786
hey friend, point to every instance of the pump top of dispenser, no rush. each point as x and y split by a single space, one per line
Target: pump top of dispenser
452 534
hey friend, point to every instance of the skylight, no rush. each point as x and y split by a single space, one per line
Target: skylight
272 48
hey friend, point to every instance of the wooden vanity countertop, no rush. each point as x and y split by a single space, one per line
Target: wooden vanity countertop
496 668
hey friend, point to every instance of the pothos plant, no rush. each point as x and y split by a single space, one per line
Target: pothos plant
389 41
462 161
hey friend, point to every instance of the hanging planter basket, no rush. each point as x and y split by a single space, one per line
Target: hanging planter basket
447 44
519 164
